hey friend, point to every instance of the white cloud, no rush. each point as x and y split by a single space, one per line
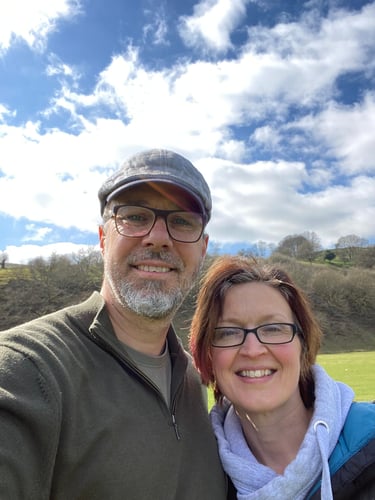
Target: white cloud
269 76
268 201
5 113
157 30
47 169
300 62
266 135
65 72
23 254
349 133
195 108
32 21
212 23
35 233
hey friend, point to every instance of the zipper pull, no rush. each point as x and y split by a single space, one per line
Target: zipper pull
175 426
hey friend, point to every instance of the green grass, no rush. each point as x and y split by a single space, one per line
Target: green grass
13 271
5 276
356 369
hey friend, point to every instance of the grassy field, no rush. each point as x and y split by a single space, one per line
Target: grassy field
356 369
13 272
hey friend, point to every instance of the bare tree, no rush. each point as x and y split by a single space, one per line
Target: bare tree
296 246
314 239
261 248
3 259
349 245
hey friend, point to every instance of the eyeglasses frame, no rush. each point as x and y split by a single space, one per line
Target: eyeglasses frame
246 331
157 213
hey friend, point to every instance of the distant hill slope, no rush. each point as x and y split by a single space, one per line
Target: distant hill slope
342 298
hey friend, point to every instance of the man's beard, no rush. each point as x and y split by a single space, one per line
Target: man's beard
149 298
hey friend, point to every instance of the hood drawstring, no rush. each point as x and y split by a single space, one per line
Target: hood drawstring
321 429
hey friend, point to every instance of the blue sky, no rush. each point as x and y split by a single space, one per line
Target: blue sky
273 101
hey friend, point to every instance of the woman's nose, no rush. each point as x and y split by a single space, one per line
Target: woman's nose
252 346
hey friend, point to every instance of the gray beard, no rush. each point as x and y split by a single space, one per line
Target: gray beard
150 301
149 298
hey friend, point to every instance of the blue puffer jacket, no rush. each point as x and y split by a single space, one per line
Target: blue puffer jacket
352 462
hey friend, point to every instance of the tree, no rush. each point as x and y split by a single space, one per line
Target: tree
366 258
349 245
3 259
46 285
314 239
89 267
261 248
296 246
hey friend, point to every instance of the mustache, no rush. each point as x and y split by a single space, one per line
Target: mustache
162 256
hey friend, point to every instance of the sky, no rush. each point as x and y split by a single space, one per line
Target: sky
274 102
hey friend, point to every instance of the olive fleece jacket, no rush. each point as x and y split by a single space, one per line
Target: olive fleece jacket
78 420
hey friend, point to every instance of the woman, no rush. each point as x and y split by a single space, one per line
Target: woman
285 429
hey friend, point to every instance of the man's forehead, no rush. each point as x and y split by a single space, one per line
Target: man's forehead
145 191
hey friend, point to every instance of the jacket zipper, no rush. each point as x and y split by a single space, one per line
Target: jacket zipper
175 427
171 412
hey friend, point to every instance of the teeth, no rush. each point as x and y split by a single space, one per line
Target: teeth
255 373
154 269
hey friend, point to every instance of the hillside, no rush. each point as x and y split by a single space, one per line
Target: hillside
342 298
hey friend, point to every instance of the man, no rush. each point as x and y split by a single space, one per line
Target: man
99 400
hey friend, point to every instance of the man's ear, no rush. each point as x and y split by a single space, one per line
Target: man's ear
101 238
205 244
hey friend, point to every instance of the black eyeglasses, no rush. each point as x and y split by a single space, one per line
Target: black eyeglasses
273 333
137 221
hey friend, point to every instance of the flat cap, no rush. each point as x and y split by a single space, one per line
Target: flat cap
158 165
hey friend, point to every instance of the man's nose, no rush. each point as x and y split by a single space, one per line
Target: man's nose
159 233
